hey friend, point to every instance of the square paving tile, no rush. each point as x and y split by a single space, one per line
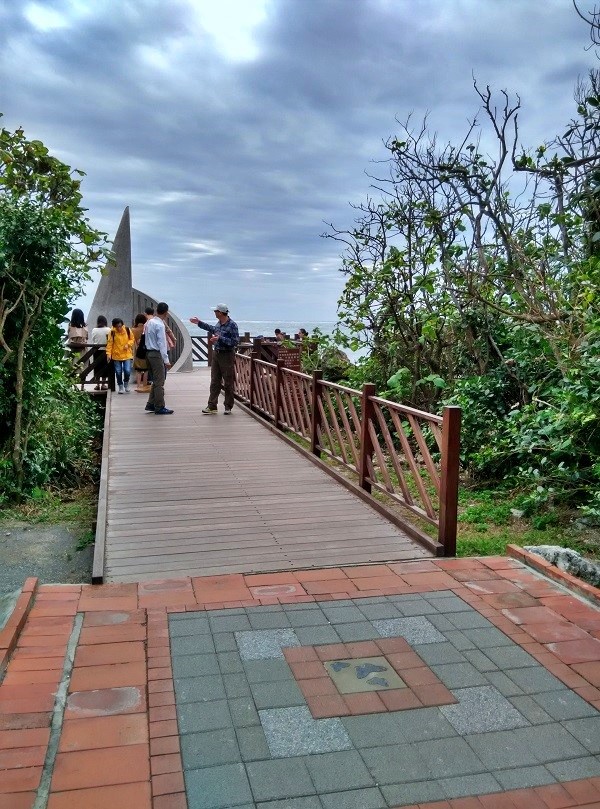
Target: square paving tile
280 778
262 644
480 710
218 787
293 732
363 674
414 630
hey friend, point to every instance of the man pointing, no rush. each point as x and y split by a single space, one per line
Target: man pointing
224 337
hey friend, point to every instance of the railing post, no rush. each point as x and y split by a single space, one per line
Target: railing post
278 392
209 351
367 412
315 420
450 463
253 356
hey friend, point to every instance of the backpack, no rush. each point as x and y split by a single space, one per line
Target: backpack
140 353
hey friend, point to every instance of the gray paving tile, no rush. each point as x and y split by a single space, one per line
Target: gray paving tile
189 626
469 785
332 772
192 645
379 611
488 638
267 671
370 798
447 602
575 769
199 689
564 704
262 644
502 750
551 742
458 639
226 613
315 635
196 717
469 619
195 666
229 623
243 712
225 642
253 744
441 622
230 663
268 620
524 778
218 787
481 709
530 709
236 685
361 630
459 675
309 802
415 792
447 758
404 598
374 730
533 680
417 607
421 724
480 660
293 732
305 605
439 653
307 618
396 764
281 778
209 749
511 657
504 684
586 731
341 615
416 630
281 694
372 600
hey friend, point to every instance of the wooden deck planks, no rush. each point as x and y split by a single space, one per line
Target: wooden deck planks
201 495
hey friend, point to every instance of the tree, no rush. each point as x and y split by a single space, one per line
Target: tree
47 249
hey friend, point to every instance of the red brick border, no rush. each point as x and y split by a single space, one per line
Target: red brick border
561 576
9 634
423 687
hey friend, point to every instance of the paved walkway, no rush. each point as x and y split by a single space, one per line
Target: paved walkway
454 684
199 495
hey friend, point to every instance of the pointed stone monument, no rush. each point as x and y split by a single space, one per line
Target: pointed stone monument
114 296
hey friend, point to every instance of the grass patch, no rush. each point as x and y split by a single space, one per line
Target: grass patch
75 507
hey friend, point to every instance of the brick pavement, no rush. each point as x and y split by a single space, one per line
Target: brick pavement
124 695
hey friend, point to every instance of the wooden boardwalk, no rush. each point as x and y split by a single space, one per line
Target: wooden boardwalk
199 495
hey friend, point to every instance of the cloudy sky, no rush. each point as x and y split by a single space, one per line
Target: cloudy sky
235 128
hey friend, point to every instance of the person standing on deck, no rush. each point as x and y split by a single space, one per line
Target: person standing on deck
224 337
158 360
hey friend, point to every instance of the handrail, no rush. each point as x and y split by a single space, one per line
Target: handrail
409 455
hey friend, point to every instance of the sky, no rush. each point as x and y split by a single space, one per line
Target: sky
236 129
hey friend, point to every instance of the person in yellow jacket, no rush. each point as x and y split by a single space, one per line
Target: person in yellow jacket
119 349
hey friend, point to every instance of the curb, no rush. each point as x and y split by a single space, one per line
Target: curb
562 577
9 635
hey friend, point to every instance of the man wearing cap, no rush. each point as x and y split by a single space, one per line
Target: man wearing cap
224 337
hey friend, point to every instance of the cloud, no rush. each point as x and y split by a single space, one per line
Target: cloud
235 130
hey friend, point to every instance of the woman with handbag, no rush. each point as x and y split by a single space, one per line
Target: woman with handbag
140 363
77 336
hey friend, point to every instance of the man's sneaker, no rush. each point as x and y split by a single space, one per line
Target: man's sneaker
209 411
163 411
149 408
121 389
228 411
127 389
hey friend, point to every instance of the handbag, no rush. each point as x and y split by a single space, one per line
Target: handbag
140 352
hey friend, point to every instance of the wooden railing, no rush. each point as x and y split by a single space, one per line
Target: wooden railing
408 455
86 362
202 350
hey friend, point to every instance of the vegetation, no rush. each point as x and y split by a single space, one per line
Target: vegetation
472 278
47 249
